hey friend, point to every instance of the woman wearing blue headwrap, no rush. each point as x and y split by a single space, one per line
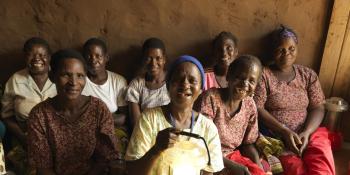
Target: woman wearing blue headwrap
156 145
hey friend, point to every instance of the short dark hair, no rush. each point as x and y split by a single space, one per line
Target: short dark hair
225 35
61 55
28 45
153 43
94 41
241 61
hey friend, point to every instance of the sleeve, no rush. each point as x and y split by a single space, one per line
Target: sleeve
142 139
206 105
122 87
314 91
106 146
39 151
252 131
133 92
8 99
214 146
260 95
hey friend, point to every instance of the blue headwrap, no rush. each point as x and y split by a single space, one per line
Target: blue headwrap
187 58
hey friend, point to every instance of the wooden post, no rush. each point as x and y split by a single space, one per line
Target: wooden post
334 43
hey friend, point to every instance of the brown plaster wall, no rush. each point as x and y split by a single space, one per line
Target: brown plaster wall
186 26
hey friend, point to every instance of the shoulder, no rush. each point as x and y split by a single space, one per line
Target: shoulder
266 71
40 109
138 81
206 122
20 76
249 101
96 102
116 76
249 105
211 93
152 115
152 112
306 72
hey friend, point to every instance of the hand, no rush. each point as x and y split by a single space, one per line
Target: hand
304 137
166 138
292 140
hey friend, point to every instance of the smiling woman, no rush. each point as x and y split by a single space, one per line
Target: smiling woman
149 90
70 133
108 86
23 91
225 50
290 102
156 137
235 115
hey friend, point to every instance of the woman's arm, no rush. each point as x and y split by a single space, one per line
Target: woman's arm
313 121
250 151
235 168
291 139
14 128
134 112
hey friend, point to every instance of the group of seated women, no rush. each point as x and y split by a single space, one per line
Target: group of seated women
68 115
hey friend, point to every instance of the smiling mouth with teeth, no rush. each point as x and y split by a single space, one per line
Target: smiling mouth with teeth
185 94
37 64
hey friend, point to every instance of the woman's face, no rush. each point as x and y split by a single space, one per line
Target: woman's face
70 78
38 60
286 53
185 84
242 82
96 58
155 61
225 52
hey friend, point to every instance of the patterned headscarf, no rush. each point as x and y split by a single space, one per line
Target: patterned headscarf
284 32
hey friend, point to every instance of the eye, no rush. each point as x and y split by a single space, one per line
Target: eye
292 49
279 50
158 58
147 59
193 80
229 48
81 75
42 55
64 75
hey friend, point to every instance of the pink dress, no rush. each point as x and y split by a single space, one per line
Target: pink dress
210 81
289 103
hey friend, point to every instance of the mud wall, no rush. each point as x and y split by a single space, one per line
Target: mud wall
186 26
